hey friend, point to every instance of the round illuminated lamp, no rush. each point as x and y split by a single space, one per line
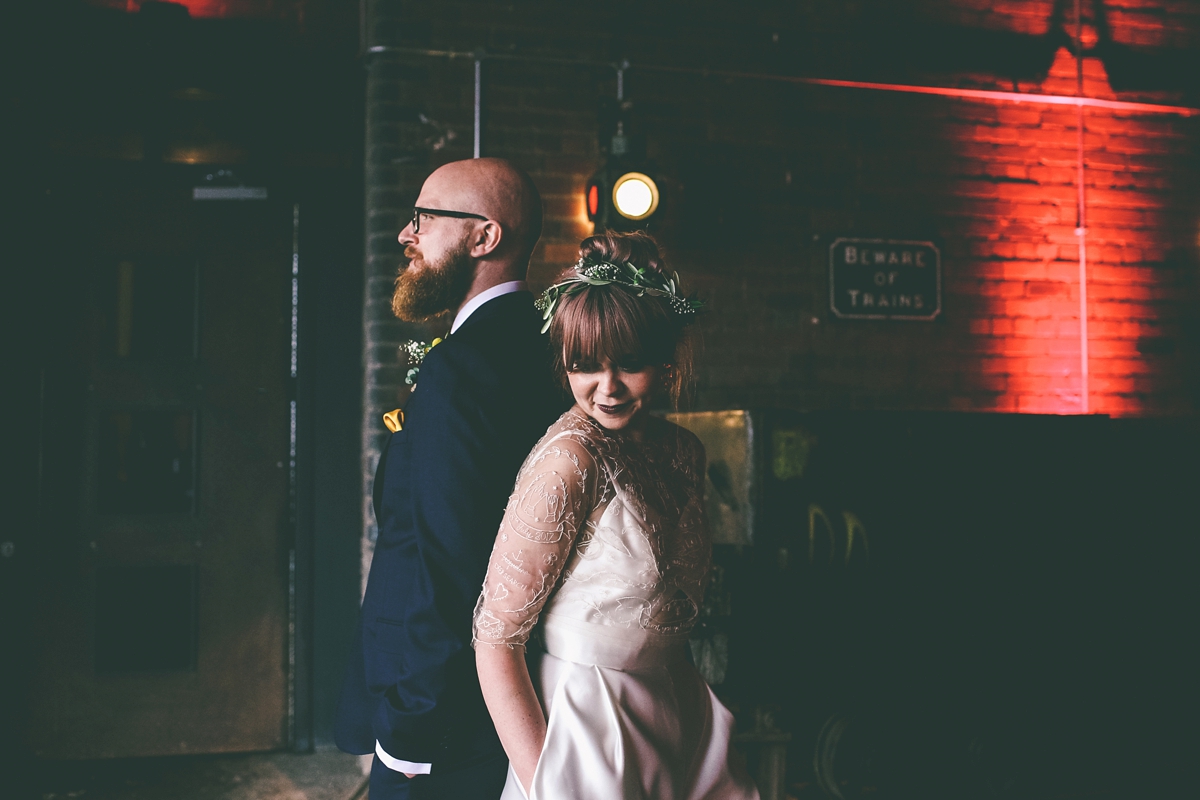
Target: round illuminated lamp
635 195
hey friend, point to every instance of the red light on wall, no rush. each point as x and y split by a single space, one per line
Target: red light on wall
200 9
593 200
1034 353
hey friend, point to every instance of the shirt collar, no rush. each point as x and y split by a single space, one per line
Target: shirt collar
490 293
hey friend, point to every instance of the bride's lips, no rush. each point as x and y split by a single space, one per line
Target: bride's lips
612 410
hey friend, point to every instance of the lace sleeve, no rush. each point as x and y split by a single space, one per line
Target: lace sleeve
552 500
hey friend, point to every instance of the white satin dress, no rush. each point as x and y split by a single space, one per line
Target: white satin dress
604 549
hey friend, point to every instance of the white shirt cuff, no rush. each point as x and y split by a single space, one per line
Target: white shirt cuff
400 765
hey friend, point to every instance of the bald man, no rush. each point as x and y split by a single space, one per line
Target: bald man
486 395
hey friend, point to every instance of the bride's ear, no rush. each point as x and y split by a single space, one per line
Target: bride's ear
666 374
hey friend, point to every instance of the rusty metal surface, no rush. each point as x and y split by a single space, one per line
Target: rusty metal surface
329 775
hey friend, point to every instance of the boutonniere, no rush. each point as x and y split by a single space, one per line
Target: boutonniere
416 352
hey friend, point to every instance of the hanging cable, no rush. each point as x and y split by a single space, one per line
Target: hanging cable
478 148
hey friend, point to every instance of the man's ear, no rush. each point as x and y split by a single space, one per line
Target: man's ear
486 239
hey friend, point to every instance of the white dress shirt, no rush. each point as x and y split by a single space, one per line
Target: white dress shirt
469 308
491 293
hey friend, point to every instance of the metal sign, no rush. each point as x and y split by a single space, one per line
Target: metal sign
885 279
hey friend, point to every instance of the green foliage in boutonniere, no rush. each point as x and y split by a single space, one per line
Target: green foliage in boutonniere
416 352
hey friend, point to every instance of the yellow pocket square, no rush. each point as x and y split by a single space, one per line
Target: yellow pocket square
394 420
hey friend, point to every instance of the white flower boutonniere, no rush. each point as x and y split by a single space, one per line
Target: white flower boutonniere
416 352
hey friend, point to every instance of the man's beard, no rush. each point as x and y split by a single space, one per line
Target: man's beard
438 287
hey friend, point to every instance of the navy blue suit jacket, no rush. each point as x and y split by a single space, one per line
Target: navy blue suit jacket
484 398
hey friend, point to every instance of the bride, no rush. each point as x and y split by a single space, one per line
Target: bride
602 558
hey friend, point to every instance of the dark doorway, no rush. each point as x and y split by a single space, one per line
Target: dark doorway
180 554
161 609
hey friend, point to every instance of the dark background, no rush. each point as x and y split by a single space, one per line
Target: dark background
1019 627
107 109
1023 625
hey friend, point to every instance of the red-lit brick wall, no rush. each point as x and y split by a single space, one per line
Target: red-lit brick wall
223 9
759 177
1143 23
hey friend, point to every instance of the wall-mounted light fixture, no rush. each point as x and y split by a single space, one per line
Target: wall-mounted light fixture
635 195
620 198
621 195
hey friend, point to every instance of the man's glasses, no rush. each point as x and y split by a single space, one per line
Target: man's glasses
437 212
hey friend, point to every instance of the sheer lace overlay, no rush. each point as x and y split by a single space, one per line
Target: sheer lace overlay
601 530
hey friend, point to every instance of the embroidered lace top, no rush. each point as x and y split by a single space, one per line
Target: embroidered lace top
601 530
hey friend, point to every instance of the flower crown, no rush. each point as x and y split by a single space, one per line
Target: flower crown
640 281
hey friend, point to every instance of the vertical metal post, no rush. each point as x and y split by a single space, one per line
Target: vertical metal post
196 309
292 515
478 104
41 451
295 350
1081 219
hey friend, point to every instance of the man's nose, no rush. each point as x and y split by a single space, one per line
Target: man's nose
406 236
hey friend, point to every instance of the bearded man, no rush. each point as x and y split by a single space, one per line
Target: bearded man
485 395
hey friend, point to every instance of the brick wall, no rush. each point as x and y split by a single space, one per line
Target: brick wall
759 177
227 9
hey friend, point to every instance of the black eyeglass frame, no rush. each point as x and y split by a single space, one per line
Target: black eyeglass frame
438 212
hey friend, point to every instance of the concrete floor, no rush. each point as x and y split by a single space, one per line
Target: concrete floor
329 775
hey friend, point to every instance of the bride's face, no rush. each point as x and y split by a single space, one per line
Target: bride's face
617 395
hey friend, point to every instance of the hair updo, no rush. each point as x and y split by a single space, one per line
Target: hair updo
611 323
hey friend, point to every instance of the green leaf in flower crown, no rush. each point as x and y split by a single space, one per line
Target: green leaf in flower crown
640 282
